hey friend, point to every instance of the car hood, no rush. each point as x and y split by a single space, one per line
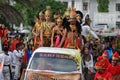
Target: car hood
51 75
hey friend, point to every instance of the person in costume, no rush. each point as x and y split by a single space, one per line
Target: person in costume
46 29
18 55
7 66
73 33
14 42
114 67
4 37
36 30
86 29
57 34
103 59
102 72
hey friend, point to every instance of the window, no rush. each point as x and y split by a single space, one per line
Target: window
85 6
118 7
52 61
118 25
73 2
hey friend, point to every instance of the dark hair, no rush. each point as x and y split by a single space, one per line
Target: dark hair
19 44
5 47
66 25
80 13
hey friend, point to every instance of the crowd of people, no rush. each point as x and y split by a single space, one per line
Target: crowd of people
71 30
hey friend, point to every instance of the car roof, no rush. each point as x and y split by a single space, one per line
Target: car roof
57 50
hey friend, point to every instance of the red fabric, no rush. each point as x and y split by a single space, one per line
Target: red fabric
104 53
5 42
24 59
14 44
103 59
0 33
66 43
105 76
115 54
114 70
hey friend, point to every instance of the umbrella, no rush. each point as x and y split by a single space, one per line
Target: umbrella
24 31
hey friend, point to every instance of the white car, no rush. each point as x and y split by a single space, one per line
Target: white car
49 63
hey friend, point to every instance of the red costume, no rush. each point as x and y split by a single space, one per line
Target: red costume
105 75
0 33
73 38
14 44
114 69
103 59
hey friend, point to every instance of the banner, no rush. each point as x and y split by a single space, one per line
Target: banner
45 75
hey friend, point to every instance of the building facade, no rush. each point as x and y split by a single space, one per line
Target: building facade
111 18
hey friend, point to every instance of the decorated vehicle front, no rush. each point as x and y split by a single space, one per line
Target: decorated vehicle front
54 64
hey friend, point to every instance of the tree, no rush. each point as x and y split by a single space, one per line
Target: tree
103 5
31 8
8 14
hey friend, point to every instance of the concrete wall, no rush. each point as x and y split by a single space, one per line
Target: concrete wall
110 18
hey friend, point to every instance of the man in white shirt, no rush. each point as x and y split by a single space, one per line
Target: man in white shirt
18 55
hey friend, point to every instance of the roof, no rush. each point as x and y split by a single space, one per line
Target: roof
57 50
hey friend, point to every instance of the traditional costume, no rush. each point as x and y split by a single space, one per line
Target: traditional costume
74 38
102 73
103 59
46 29
57 34
114 69
36 31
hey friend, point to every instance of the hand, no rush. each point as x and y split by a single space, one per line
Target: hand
100 78
51 45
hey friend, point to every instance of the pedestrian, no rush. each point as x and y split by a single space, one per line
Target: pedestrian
7 67
88 66
18 55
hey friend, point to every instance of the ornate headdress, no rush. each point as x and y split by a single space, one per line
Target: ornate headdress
115 56
41 12
100 65
104 53
67 13
73 13
59 19
48 12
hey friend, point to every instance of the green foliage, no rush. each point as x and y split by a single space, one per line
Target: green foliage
32 9
103 5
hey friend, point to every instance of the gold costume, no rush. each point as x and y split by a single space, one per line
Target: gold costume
47 32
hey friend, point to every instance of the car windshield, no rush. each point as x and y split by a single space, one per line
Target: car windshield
54 62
